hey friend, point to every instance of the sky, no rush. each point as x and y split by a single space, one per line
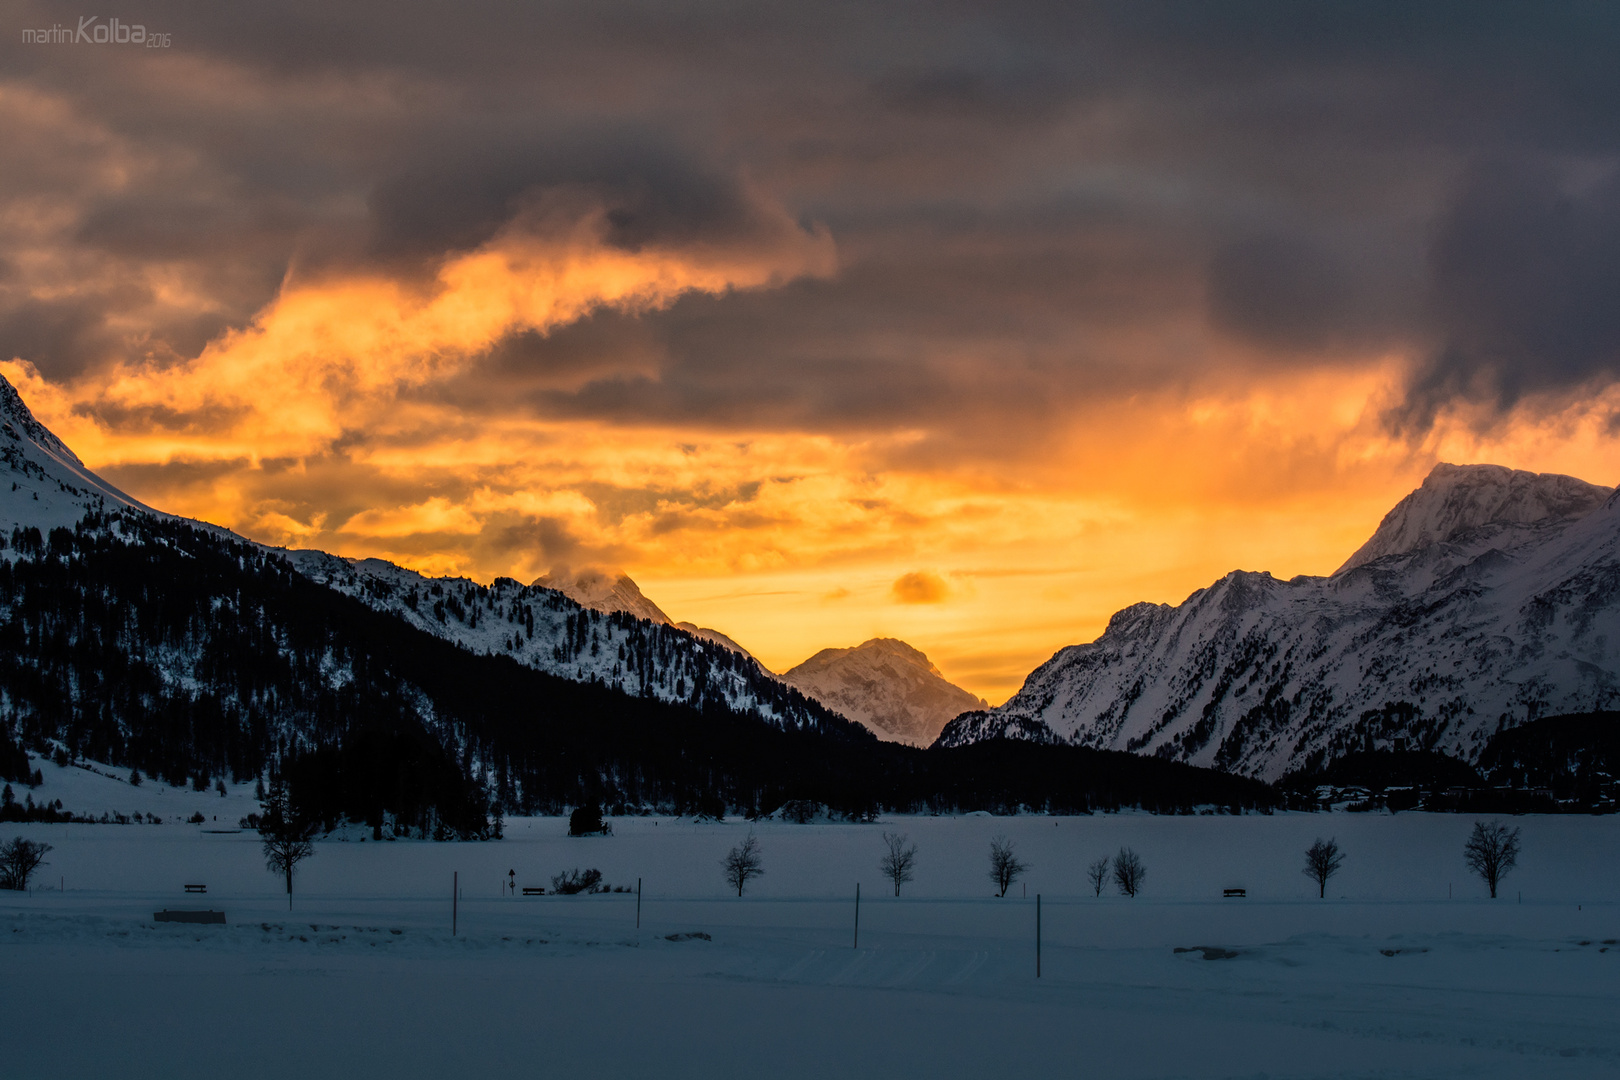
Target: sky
968 324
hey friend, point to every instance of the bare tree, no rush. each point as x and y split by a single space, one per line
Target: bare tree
18 861
1005 865
287 835
899 860
1097 874
1492 850
743 862
1322 861
1129 873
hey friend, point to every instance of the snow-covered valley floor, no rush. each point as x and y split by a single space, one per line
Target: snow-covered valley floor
1386 978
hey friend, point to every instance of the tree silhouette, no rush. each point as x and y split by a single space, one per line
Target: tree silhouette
743 862
1491 851
18 861
1322 861
287 835
1005 865
899 860
1129 873
1097 874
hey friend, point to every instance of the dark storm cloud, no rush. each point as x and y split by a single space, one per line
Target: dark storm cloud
1297 291
461 194
1037 189
1526 267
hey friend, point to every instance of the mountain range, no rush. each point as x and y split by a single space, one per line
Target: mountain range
884 684
1485 598
177 650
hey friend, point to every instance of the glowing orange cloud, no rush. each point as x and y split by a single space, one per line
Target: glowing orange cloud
919 587
333 354
788 541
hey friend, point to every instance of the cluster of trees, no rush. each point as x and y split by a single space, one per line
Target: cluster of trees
1491 851
1124 868
29 810
587 821
898 864
570 882
18 861
1555 764
14 761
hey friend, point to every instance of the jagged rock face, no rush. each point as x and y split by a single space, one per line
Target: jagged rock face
1456 499
886 685
604 591
1437 645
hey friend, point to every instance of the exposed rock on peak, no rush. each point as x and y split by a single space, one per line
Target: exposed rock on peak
886 685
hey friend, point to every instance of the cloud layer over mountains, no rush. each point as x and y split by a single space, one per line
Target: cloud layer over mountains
837 291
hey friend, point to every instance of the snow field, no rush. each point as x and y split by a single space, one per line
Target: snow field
1386 978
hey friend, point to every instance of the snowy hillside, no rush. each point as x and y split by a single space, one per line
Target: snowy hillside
1436 644
43 485
546 630
886 685
609 591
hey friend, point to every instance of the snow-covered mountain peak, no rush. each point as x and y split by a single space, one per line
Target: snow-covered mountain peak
15 414
1457 499
589 627
603 590
1488 597
885 684
48 485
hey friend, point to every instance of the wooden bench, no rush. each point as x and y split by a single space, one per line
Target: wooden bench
533 890
1234 892
197 888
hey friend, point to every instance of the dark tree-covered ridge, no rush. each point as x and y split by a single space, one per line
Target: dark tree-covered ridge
189 654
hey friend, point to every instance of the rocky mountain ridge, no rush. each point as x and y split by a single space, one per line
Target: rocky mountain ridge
1465 619
884 684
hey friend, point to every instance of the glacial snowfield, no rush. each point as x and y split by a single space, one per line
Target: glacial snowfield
1407 970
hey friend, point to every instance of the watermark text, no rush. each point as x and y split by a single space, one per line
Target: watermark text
93 30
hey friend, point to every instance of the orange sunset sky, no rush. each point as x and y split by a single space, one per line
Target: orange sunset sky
967 326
